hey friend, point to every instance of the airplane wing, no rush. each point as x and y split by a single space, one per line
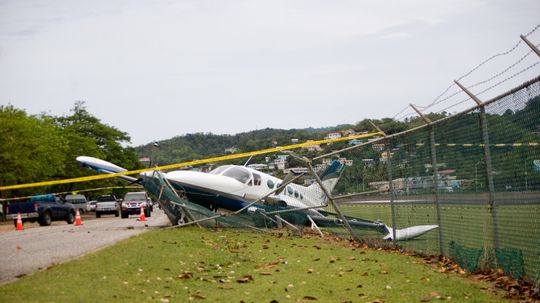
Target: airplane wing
105 167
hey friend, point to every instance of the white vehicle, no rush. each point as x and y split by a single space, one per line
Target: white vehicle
107 204
78 201
91 206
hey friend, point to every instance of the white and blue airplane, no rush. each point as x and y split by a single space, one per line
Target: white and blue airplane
235 188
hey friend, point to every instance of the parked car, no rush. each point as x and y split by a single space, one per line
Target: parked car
78 201
132 203
43 209
91 206
107 204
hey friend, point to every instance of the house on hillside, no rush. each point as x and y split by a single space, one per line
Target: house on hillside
332 136
312 148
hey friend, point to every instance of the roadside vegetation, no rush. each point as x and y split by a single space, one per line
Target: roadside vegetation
43 147
192 264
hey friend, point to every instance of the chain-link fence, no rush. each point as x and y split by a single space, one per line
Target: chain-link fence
475 174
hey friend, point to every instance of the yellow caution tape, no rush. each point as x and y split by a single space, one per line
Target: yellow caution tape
189 163
73 192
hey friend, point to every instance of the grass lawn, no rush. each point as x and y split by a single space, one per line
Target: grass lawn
192 264
468 225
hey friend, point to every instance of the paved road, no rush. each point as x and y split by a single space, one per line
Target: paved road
24 252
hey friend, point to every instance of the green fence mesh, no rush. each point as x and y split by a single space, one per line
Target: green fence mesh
483 178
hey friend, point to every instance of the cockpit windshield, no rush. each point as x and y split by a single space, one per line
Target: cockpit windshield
219 170
238 173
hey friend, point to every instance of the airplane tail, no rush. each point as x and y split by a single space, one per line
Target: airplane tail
329 178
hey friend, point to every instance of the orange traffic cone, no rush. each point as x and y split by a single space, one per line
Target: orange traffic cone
78 220
142 217
19 225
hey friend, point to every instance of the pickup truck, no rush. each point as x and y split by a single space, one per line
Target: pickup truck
43 209
107 204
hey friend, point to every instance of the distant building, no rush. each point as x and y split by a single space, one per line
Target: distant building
294 140
296 170
378 147
332 136
318 167
312 148
368 162
281 162
231 150
355 141
257 166
385 156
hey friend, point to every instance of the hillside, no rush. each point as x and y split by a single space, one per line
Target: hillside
203 145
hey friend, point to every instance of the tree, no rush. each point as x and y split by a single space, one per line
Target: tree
29 148
87 135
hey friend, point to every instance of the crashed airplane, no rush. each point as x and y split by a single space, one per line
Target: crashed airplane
239 189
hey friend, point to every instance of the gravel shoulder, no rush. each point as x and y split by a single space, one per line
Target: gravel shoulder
24 252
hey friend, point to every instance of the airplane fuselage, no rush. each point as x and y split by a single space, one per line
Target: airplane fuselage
233 187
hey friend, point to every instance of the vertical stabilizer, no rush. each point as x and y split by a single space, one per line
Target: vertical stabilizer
329 178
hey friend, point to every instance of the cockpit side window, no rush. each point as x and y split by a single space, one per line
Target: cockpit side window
256 179
239 174
219 170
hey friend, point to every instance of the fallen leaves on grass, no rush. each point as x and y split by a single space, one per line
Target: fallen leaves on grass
309 298
431 296
268 265
245 279
185 275
517 289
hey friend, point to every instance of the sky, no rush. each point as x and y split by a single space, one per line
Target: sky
159 69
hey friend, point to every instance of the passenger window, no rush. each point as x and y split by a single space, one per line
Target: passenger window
270 184
290 190
256 179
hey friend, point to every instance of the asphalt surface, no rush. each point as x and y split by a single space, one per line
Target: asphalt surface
24 252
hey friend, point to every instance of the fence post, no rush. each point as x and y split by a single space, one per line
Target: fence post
489 167
534 48
436 186
435 176
331 200
391 188
388 149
